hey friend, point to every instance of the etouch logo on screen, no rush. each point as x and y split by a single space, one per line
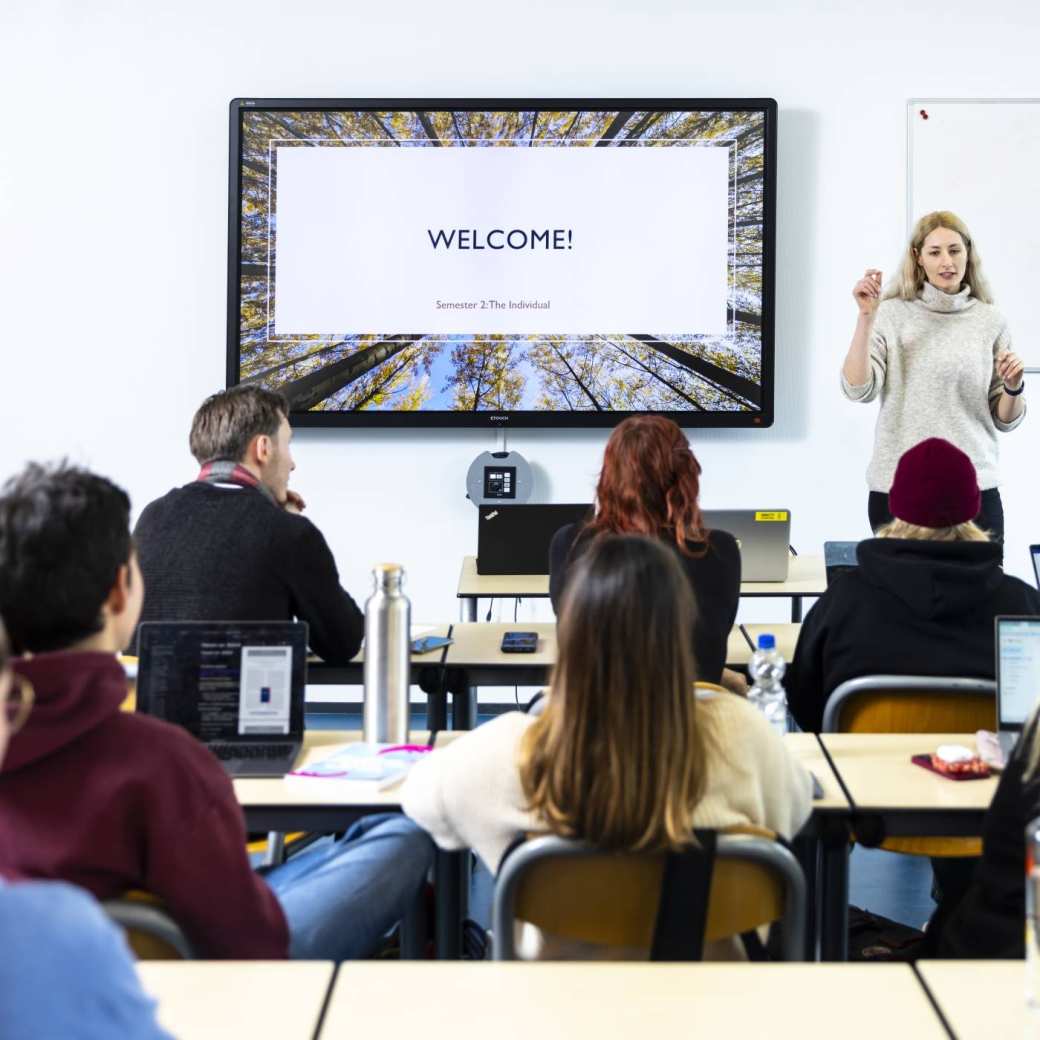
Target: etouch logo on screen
502 241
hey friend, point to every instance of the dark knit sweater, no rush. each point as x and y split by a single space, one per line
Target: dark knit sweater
714 577
212 553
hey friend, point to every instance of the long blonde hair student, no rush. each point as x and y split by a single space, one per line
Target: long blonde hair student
617 758
911 278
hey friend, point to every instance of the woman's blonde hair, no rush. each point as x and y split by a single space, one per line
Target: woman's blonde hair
617 758
966 532
910 280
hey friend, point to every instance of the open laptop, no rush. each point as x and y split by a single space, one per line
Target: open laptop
238 686
839 558
514 539
764 537
1018 675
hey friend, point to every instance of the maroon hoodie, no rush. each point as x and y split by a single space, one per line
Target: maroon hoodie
113 801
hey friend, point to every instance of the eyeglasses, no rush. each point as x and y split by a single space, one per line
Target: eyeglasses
19 702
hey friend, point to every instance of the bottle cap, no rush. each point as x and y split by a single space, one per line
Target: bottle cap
387 568
766 641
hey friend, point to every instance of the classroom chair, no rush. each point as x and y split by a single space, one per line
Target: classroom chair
576 892
151 932
915 704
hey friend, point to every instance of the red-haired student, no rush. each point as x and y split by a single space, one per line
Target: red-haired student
649 485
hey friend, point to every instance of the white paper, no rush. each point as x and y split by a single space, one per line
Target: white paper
265 690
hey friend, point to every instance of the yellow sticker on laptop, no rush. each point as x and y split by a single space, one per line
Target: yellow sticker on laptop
776 516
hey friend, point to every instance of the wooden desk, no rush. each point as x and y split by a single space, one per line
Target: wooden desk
520 1001
786 635
910 801
822 849
890 797
215 1000
806 576
981 1000
324 805
352 674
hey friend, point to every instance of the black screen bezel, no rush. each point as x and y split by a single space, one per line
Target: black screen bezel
759 419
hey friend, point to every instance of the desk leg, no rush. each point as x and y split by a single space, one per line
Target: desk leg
807 851
796 608
834 910
468 608
449 870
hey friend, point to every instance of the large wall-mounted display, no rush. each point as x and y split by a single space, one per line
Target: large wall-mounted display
528 262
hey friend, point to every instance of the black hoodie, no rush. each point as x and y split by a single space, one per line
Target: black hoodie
909 608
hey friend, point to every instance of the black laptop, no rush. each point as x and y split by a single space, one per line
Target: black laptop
515 539
237 686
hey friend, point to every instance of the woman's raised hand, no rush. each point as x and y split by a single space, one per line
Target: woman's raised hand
867 291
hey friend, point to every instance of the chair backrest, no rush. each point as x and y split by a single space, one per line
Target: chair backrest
151 932
911 704
578 892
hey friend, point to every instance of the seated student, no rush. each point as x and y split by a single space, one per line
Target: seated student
923 598
988 920
649 485
623 756
66 970
113 801
230 546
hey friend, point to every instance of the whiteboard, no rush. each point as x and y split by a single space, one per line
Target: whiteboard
967 156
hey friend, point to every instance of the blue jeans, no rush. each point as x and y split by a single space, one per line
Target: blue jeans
341 897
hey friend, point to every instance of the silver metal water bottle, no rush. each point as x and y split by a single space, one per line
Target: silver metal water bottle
387 657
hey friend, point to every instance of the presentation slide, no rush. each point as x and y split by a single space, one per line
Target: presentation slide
508 262
521 241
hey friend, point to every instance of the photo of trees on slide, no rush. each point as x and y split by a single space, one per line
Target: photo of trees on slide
407 371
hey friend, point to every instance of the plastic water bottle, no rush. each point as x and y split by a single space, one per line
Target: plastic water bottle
766 669
1032 912
387 667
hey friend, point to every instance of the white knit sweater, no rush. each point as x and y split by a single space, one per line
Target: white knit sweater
932 362
468 794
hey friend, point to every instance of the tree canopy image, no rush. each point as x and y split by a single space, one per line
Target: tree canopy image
393 370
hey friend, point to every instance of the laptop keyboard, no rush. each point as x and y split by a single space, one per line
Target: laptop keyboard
227 752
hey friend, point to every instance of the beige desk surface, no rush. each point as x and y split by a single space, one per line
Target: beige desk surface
218 1000
525 1001
982 1000
473 584
877 770
805 577
786 634
417 630
323 791
478 643
806 748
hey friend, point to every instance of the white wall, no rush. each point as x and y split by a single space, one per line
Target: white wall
113 180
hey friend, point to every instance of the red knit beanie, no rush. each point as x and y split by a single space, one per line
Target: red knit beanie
935 486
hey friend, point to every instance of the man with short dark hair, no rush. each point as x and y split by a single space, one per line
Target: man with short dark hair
111 801
230 546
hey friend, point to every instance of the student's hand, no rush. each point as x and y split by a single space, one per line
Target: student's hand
1010 368
294 503
734 682
867 291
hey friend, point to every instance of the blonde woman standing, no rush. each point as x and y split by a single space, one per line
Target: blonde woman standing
938 353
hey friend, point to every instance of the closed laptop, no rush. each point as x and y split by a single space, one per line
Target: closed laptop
514 539
763 536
